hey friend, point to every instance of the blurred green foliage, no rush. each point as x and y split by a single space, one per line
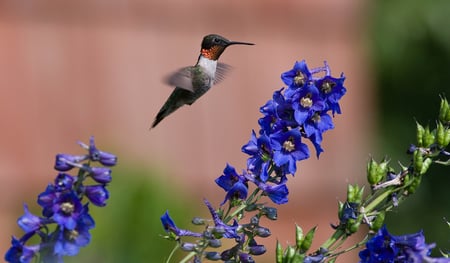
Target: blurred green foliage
129 229
411 55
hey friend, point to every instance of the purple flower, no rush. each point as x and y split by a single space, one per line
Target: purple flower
64 162
106 159
298 76
277 193
97 194
288 149
332 90
100 174
228 231
67 209
234 184
260 150
384 247
69 241
306 102
170 227
46 199
19 253
64 182
29 222
278 114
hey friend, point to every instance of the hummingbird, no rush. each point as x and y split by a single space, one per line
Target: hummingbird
194 81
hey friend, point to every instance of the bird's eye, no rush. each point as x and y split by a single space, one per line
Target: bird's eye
216 40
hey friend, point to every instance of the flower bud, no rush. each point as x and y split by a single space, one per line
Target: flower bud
212 255
428 137
270 213
306 244
419 134
254 220
262 231
378 222
214 243
198 221
414 184
246 258
444 111
441 133
298 235
188 246
278 253
257 250
418 161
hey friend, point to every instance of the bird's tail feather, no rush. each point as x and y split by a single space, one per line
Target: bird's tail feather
171 105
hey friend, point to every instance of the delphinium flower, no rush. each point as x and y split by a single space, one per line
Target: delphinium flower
384 247
65 224
298 112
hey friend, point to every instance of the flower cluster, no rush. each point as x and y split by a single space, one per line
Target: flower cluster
384 247
65 222
297 112
300 111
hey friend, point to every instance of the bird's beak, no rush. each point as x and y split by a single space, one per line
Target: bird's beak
238 43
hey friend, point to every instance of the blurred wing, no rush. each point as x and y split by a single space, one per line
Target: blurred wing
221 72
181 79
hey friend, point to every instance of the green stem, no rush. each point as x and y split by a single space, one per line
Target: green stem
172 253
188 257
338 234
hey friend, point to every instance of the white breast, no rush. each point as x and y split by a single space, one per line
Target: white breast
209 66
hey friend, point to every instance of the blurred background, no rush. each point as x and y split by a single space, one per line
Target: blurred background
72 69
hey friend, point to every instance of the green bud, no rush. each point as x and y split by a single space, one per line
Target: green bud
279 253
378 222
307 242
373 175
351 192
289 255
359 195
426 164
298 258
353 225
444 111
428 137
447 137
340 209
419 134
298 235
440 134
354 193
415 182
418 160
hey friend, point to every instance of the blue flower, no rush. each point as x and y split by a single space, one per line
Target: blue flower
278 114
298 76
106 159
384 247
19 253
64 162
67 209
100 174
332 90
29 222
306 102
234 184
97 194
228 231
288 149
170 227
63 182
260 150
277 193
69 241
